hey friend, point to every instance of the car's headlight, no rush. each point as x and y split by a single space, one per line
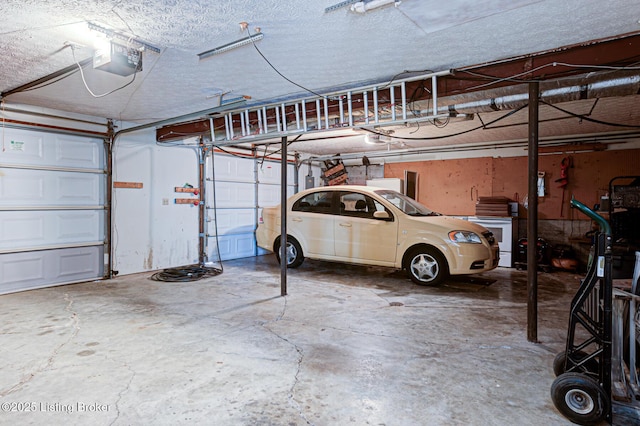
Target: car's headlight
464 237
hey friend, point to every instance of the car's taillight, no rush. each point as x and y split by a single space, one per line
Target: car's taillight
260 220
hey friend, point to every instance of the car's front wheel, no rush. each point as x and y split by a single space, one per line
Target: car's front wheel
294 252
427 266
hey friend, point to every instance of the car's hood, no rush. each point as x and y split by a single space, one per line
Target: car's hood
449 223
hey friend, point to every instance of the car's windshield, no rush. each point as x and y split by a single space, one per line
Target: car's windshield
406 204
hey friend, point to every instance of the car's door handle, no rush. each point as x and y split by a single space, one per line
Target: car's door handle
296 219
346 225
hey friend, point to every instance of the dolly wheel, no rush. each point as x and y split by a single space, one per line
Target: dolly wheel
580 398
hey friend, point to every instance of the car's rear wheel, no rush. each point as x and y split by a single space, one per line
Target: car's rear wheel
294 252
427 266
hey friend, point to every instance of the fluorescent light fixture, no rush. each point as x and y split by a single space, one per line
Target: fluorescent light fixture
339 5
230 46
373 139
377 139
362 7
125 38
380 136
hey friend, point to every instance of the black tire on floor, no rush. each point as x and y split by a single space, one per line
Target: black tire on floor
580 398
560 360
427 266
294 252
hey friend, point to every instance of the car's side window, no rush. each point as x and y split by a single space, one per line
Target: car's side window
358 205
316 202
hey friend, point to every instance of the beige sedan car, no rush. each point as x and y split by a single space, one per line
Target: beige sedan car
381 227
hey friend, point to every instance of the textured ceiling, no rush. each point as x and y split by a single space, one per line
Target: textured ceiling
315 49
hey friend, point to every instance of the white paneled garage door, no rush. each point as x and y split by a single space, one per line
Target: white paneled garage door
52 216
242 186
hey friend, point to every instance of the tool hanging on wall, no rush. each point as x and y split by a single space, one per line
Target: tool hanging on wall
564 172
563 180
541 184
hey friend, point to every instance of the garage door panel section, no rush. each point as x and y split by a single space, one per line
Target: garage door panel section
236 221
52 210
269 195
234 169
78 153
42 188
235 246
20 230
235 195
38 269
29 148
269 172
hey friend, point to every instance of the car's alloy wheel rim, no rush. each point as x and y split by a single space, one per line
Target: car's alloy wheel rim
579 401
291 253
424 267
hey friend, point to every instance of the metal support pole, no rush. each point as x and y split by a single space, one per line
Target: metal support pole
532 216
283 219
296 174
256 191
606 284
202 208
108 218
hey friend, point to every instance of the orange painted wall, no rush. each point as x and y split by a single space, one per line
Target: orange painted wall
453 186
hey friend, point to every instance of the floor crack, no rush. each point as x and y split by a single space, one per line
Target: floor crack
122 392
300 352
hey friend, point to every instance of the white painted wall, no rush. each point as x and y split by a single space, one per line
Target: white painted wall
151 231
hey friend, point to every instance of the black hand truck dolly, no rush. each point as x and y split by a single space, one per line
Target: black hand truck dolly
596 375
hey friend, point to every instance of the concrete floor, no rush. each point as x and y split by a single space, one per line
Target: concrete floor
348 345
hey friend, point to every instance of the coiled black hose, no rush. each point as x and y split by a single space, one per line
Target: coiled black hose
186 274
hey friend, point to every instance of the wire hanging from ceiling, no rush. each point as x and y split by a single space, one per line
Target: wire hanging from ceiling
277 71
85 81
587 118
515 77
482 126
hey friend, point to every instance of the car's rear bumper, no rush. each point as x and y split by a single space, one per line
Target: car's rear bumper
265 237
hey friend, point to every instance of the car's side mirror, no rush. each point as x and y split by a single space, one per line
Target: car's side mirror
381 214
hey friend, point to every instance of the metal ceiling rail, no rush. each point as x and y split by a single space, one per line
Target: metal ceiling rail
373 105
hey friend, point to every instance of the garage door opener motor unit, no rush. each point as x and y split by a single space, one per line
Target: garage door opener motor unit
118 59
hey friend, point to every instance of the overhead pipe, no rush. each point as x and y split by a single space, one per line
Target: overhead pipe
621 86
553 141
